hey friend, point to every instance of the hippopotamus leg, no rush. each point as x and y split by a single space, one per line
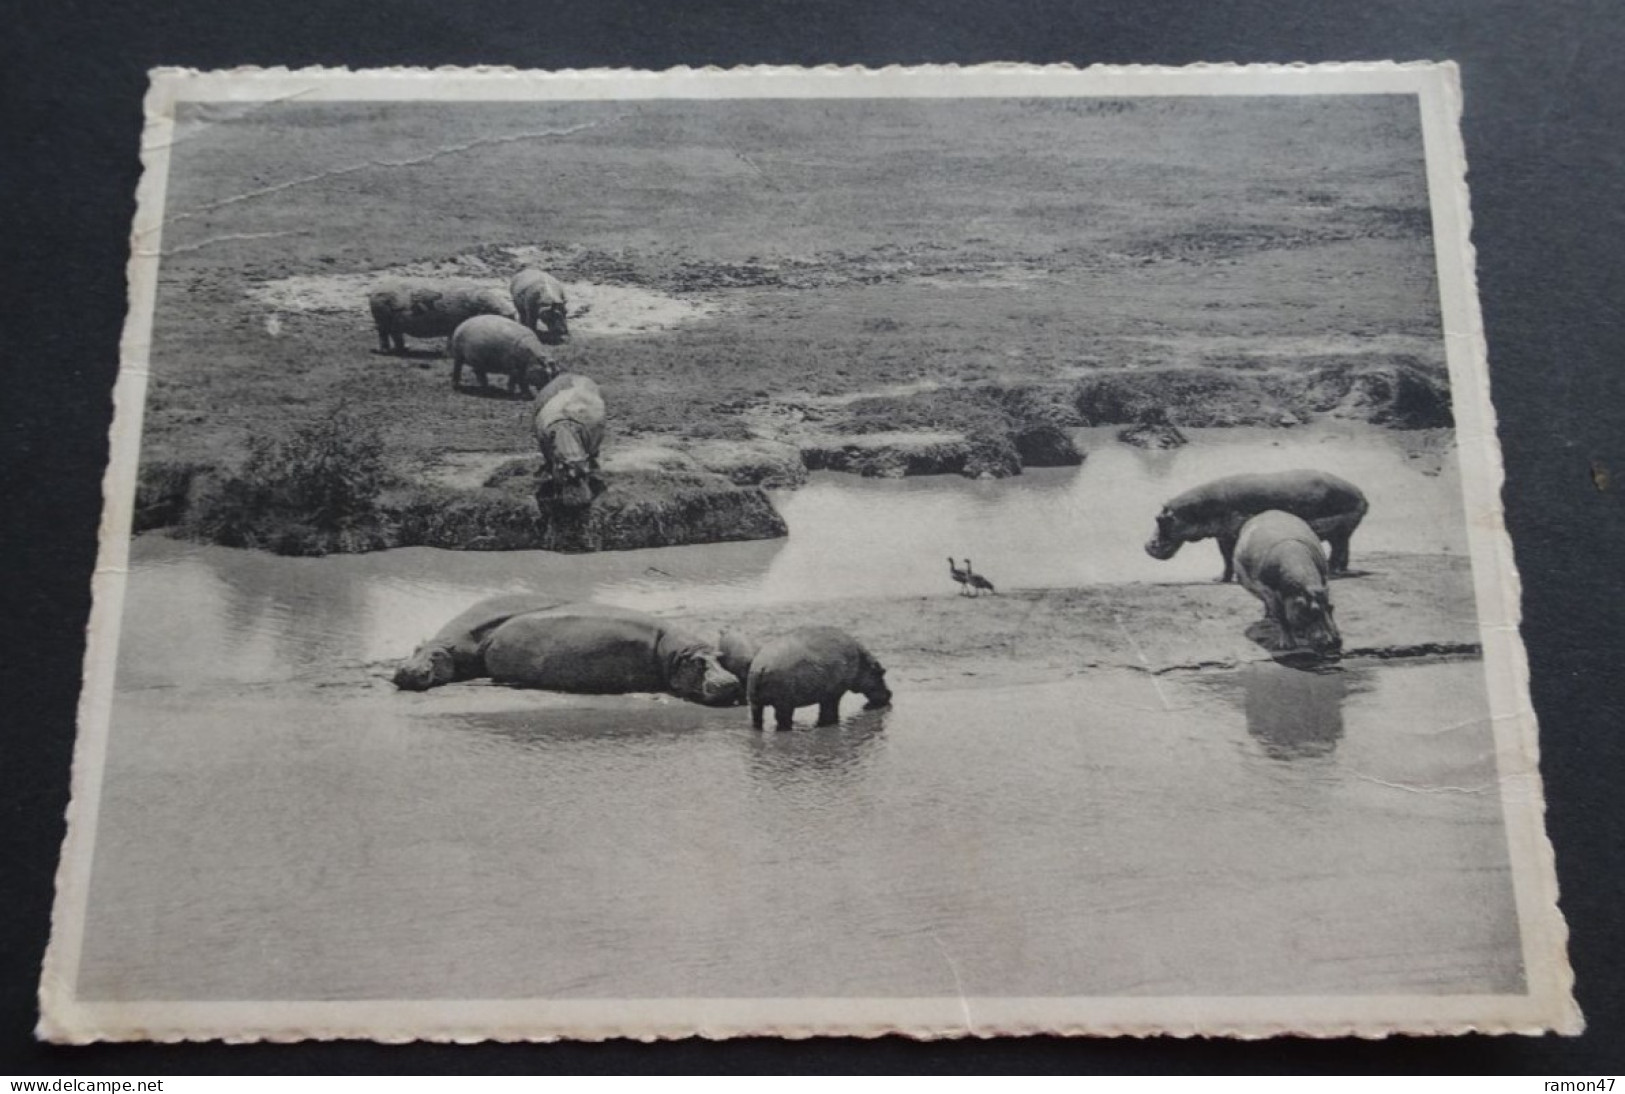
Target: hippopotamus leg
1339 542
783 715
456 371
756 715
829 711
1227 548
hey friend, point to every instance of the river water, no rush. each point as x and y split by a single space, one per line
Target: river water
278 823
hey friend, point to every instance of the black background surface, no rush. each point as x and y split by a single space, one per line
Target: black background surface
1545 98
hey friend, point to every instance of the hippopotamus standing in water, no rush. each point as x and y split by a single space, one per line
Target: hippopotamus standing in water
1331 506
539 298
1279 560
426 311
603 650
812 665
569 427
455 652
490 343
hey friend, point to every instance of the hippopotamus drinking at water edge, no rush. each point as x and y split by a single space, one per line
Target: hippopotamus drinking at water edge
1330 505
812 665
1279 560
569 428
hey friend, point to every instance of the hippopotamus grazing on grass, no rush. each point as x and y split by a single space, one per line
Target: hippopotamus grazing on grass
455 652
569 427
1279 560
428 311
490 343
1331 506
812 665
597 649
539 299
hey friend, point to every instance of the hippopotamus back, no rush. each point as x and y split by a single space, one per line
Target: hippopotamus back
738 650
601 649
812 665
575 397
434 311
454 651
539 297
1332 506
1279 560
495 344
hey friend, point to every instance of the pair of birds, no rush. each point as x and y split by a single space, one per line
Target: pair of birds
970 582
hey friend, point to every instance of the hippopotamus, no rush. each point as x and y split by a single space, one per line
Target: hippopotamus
812 665
1331 506
569 428
430 311
538 297
598 649
1279 560
491 343
738 651
454 653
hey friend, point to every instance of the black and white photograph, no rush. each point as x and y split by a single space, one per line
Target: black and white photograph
796 551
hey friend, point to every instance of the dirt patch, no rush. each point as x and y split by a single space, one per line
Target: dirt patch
596 308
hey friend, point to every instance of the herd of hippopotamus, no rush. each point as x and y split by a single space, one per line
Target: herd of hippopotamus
531 640
1269 528
492 332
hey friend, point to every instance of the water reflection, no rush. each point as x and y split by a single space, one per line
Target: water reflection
839 753
580 725
1294 713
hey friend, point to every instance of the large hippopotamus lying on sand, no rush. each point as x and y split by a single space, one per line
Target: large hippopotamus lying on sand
430 311
598 649
490 343
1279 560
1330 505
456 652
538 297
812 665
569 428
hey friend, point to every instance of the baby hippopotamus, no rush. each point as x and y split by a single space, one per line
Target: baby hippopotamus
812 665
1280 561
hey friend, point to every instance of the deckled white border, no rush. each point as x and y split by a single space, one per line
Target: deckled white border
1548 1004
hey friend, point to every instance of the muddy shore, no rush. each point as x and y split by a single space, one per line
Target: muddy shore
1395 605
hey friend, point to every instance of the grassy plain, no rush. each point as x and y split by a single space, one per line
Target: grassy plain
825 253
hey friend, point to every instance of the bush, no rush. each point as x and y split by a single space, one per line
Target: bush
311 492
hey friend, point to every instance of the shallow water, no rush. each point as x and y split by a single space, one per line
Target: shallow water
278 824
1119 837
241 615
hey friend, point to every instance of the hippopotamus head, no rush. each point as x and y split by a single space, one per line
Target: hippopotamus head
428 667
1169 538
699 675
557 324
738 650
1309 622
871 683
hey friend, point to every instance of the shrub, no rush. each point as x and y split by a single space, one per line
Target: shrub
313 491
